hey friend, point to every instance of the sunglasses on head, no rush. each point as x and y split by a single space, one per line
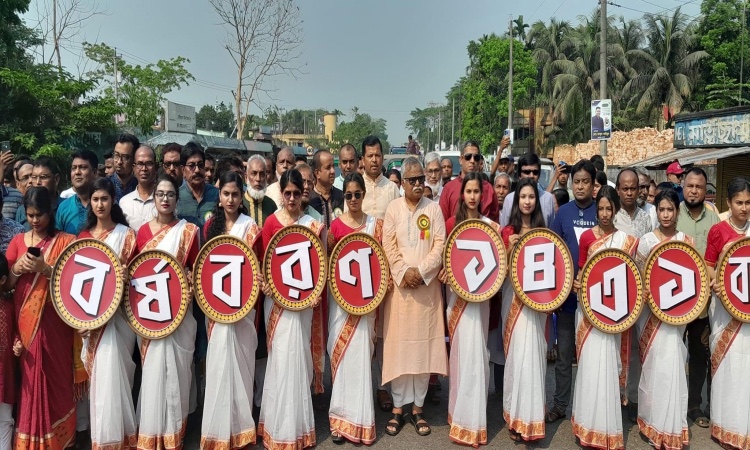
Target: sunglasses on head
292 194
350 195
531 171
414 180
477 157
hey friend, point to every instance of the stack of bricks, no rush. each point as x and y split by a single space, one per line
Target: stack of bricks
624 149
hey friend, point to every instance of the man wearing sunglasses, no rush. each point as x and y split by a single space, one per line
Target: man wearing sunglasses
170 161
530 166
197 198
471 161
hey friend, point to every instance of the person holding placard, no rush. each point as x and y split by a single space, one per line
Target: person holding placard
662 407
523 330
46 411
468 326
166 386
107 350
597 420
351 339
286 413
230 361
730 338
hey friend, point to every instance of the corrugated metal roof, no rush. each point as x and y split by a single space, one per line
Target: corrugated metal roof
687 156
206 141
259 147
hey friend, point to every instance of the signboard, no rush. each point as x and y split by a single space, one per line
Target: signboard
224 279
611 293
295 267
677 282
601 120
719 131
358 274
88 281
475 261
180 118
733 278
156 299
541 270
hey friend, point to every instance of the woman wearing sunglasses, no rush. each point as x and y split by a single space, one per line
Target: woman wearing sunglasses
286 413
164 401
468 325
352 415
107 351
230 361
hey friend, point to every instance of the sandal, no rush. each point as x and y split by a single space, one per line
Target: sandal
385 402
415 419
396 423
697 416
554 415
552 354
336 438
515 436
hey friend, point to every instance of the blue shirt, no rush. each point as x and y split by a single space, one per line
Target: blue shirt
123 190
12 199
194 211
570 223
71 215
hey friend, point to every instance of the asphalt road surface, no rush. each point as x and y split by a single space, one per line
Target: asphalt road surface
559 435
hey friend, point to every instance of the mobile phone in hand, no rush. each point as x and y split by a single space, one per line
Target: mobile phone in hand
35 251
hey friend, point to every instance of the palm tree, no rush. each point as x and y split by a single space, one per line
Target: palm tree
667 69
549 43
519 29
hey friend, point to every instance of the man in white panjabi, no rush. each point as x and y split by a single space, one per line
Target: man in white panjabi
413 323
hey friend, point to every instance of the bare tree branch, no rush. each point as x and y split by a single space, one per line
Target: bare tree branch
263 39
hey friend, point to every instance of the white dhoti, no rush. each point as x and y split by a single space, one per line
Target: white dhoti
410 389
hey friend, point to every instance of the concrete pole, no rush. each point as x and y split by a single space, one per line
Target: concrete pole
603 68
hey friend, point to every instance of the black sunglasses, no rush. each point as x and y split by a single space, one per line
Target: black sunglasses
477 157
531 171
414 180
356 195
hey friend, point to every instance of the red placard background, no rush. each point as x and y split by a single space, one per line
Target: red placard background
543 297
744 308
146 268
72 268
660 276
248 278
278 260
353 294
461 258
597 273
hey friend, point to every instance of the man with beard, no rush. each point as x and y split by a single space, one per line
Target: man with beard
123 178
284 162
170 161
326 198
309 182
446 170
197 198
73 211
432 172
348 163
695 219
644 183
139 206
258 205
471 161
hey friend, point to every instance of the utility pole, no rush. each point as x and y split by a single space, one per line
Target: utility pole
742 47
603 68
453 120
510 77
117 94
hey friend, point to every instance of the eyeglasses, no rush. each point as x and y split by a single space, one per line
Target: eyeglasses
36 178
476 156
289 195
531 171
195 166
433 171
308 182
415 180
122 157
169 195
147 164
171 165
357 195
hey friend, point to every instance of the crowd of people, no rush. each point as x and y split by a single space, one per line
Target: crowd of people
122 391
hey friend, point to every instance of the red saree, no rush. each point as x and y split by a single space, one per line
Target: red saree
46 416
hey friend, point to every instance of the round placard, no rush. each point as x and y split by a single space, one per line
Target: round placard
295 267
224 279
157 296
677 282
733 278
87 284
358 274
475 260
611 293
541 270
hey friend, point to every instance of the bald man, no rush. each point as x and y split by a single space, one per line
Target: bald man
284 162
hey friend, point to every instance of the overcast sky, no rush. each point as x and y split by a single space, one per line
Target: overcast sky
385 57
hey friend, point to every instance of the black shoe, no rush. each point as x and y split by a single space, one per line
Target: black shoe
633 412
554 414
337 439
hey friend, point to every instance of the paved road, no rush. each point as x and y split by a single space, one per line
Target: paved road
559 435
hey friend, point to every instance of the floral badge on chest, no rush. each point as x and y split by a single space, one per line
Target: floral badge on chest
423 223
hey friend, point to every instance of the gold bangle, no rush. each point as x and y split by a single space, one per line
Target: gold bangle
18 275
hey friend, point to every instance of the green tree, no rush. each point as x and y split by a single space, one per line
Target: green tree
216 118
549 43
484 105
355 131
141 90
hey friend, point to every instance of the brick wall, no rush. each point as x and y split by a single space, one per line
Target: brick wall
624 149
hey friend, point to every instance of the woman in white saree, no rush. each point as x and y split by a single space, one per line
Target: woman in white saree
286 412
351 341
662 390
602 364
730 338
164 401
107 351
230 361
